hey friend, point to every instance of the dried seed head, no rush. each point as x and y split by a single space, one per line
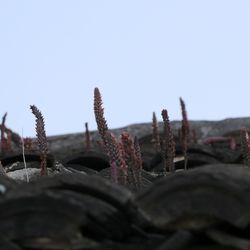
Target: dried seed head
168 144
138 160
116 159
185 131
87 137
132 158
155 133
99 115
41 138
138 152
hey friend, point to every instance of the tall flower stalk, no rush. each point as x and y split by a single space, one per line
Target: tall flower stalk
167 144
99 116
132 158
155 134
41 138
111 145
185 132
87 137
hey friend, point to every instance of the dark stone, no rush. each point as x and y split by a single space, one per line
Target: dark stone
88 159
29 157
199 198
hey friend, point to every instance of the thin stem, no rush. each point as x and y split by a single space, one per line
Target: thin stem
24 160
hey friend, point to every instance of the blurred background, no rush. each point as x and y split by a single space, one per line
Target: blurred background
143 55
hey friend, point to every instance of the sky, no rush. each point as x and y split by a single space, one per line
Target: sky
141 54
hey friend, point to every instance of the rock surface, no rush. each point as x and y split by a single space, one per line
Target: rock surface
78 206
61 144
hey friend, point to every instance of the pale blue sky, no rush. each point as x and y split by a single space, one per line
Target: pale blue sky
143 55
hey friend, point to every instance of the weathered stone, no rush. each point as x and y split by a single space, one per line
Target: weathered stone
199 198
